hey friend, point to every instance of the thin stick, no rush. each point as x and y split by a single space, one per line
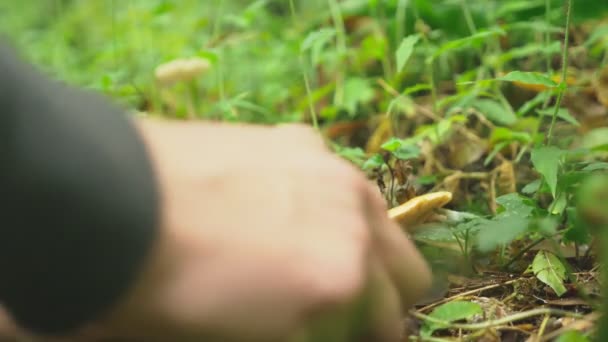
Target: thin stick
501 321
468 293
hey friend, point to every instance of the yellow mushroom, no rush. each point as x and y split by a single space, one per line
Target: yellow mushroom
419 208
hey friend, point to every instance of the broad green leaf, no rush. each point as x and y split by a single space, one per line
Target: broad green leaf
357 91
550 270
547 226
392 144
503 229
374 162
495 111
577 230
572 336
559 204
450 312
531 187
500 134
529 78
546 161
406 152
405 50
516 204
353 154
562 113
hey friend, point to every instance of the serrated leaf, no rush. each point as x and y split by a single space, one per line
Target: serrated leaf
450 312
500 231
550 270
562 113
495 111
546 161
529 78
405 50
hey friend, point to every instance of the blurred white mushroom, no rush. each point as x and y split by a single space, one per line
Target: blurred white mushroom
181 70
184 70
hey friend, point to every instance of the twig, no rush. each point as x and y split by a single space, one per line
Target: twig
468 293
501 321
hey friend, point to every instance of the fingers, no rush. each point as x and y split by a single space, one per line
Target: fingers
384 308
404 264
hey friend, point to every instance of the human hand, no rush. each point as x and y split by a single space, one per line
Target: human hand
265 236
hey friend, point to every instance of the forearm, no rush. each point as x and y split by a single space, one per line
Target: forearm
79 205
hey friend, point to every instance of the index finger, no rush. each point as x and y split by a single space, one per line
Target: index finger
405 265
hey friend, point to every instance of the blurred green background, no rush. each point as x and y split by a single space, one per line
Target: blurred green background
114 46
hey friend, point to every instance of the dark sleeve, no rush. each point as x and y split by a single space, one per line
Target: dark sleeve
78 201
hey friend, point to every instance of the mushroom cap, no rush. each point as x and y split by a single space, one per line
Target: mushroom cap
418 208
178 70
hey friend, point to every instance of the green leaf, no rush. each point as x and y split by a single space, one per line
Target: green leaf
595 138
577 230
596 167
500 134
537 100
550 270
374 162
315 41
357 91
500 231
572 336
406 152
546 160
495 111
391 144
354 154
450 312
529 78
517 204
466 42
562 113
531 187
559 204
405 50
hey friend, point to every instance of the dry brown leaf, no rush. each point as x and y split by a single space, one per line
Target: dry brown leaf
382 133
601 86
505 181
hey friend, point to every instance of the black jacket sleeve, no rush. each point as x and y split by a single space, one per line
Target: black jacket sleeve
78 201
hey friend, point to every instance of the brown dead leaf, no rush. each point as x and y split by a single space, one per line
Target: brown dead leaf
505 180
601 86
